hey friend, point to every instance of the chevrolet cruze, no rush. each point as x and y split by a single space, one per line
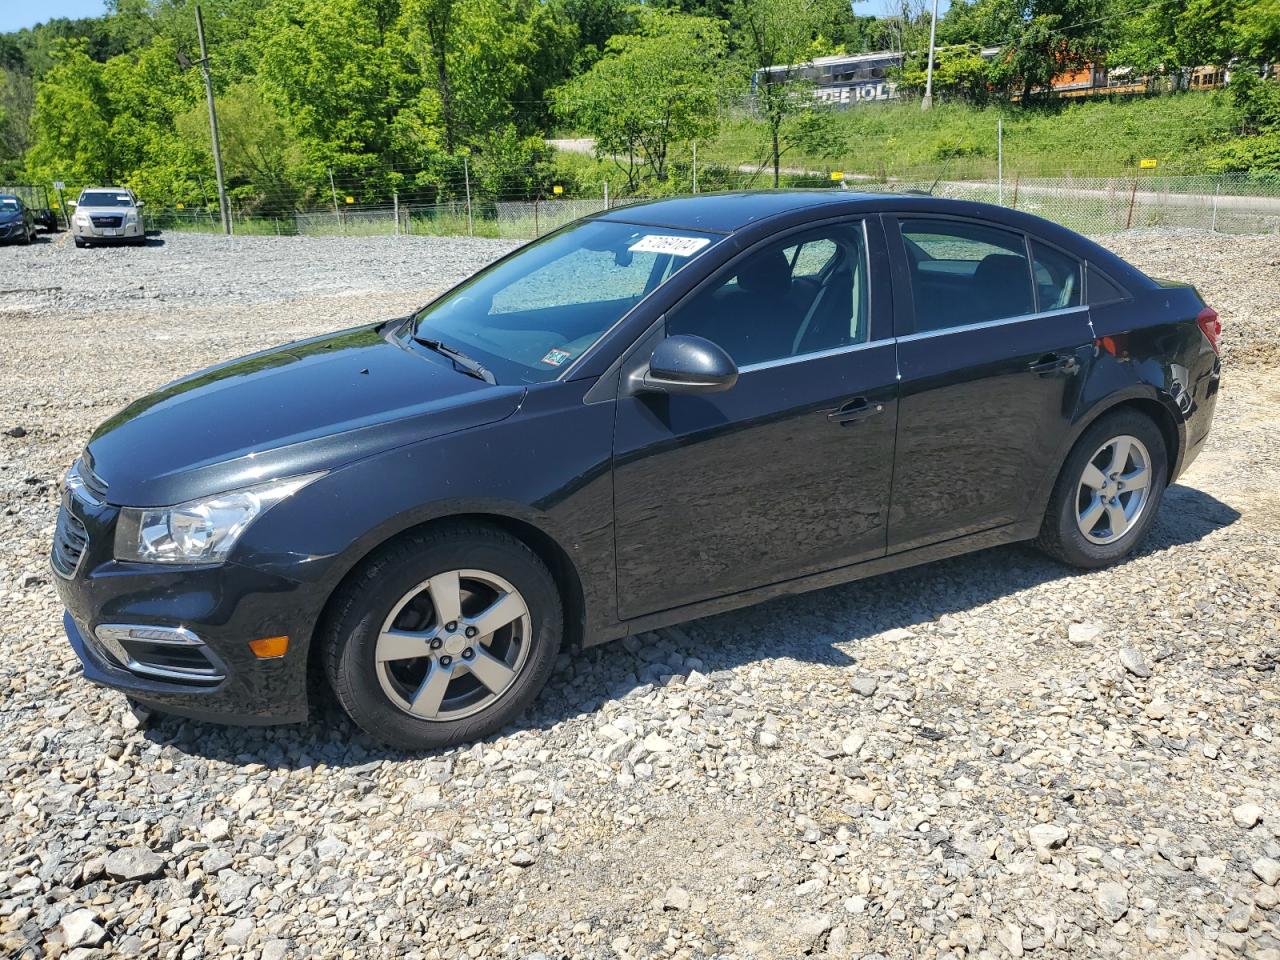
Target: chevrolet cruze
656 413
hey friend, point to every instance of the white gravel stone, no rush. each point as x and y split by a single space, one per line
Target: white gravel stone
864 686
134 863
1048 836
216 830
1112 900
1267 870
1247 815
80 928
1132 661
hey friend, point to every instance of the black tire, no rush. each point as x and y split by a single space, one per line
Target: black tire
350 632
1060 534
80 243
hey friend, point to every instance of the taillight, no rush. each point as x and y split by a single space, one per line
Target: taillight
1208 321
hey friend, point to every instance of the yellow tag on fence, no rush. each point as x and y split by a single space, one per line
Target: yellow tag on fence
1148 163
837 174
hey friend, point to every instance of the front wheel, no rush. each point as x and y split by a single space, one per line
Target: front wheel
1108 493
443 637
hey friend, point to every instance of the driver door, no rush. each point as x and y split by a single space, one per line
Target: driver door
788 472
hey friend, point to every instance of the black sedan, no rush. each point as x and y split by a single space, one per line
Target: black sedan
17 222
656 413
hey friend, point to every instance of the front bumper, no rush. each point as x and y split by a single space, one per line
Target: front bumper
13 231
124 233
225 606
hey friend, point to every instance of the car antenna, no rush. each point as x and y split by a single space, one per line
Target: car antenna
941 173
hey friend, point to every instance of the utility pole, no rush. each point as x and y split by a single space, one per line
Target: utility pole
466 175
927 102
334 190
223 206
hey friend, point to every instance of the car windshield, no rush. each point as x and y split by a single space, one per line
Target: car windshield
101 199
9 203
528 317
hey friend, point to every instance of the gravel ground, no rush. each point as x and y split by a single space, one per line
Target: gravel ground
992 756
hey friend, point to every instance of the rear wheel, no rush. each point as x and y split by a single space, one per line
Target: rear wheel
1108 493
443 637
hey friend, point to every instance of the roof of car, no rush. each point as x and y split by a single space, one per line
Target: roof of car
727 212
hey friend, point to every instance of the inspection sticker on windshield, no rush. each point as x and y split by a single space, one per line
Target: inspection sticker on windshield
676 246
556 358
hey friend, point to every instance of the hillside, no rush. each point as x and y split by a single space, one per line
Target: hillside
1099 137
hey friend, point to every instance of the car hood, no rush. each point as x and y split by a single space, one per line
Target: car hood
307 406
108 211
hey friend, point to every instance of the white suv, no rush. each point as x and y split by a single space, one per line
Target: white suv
108 215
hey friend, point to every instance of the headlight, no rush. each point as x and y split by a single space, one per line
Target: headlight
199 531
131 217
82 220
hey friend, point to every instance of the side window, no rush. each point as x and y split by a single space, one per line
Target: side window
795 297
964 273
811 258
1058 280
1102 289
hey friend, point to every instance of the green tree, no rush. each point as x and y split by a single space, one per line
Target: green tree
1039 39
652 89
17 97
959 71
70 123
1166 36
781 34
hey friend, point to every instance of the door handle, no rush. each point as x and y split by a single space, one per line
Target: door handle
859 408
1053 362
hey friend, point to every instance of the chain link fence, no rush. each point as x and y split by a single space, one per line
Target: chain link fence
1233 203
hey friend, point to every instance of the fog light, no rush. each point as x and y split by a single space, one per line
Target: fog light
267 648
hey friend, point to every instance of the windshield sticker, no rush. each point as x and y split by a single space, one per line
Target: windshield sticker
556 357
123 199
676 246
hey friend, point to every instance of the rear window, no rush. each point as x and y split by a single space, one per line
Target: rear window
1057 275
1102 289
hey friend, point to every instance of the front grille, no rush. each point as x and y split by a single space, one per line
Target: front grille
107 221
69 540
94 485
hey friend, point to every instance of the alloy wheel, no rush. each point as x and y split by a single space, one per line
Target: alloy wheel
1114 489
453 645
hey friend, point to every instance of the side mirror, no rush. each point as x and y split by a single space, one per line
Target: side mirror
140 203
688 364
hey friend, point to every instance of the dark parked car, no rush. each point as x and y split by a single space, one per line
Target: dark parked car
17 224
45 218
656 413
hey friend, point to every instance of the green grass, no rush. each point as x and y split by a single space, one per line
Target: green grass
1095 137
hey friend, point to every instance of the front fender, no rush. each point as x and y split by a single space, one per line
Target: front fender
548 467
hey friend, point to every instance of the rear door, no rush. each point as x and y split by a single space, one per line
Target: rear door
992 338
